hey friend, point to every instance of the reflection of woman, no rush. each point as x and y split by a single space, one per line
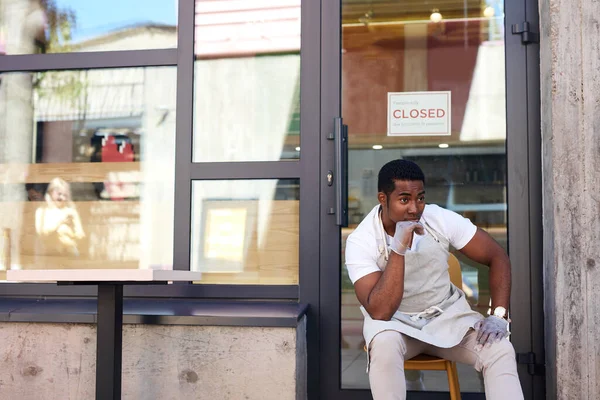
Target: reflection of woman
57 222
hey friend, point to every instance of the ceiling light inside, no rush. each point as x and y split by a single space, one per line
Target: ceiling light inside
489 12
435 16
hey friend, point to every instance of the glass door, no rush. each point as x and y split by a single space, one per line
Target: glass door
396 62
425 81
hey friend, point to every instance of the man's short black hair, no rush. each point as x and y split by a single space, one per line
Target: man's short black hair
398 170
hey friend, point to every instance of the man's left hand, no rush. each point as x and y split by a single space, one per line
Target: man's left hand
490 330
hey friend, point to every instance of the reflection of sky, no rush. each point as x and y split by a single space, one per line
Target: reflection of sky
94 17
497 5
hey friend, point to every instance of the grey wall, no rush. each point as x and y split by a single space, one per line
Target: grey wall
570 80
163 362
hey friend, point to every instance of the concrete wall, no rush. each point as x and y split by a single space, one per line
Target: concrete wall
570 80
163 362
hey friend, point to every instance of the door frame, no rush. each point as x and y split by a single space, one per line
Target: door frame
523 149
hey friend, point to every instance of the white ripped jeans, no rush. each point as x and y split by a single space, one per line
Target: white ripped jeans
389 349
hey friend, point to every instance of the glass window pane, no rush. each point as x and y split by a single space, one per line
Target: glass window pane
87 168
246 231
247 81
65 26
388 48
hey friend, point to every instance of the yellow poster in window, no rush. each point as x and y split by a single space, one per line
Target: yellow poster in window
225 235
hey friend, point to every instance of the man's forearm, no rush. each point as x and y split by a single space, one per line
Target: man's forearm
500 281
386 296
483 249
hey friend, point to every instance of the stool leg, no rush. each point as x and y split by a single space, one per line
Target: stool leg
456 384
453 384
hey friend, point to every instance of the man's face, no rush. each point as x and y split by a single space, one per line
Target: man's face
405 203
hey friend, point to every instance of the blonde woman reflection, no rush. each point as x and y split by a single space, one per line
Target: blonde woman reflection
58 222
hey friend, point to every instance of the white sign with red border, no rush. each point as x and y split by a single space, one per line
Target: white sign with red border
419 114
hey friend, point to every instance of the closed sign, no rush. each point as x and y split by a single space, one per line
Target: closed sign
419 114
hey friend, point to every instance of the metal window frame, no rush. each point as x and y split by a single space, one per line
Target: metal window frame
306 169
88 60
524 170
260 292
536 226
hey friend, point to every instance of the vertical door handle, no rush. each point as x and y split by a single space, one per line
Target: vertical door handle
340 140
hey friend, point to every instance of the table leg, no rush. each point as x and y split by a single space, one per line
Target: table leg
109 342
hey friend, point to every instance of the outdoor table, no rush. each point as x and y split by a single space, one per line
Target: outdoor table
109 322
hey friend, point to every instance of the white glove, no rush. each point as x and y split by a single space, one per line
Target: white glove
402 239
490 330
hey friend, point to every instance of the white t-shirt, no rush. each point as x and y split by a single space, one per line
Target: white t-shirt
362 250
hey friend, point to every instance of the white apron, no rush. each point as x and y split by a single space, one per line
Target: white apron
432 309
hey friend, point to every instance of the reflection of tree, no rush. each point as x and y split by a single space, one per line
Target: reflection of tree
68 89
59 30
70 86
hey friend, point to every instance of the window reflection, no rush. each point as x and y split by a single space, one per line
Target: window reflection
64 26
87 168
247 81
246 231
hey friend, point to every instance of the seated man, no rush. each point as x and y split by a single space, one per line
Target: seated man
397 259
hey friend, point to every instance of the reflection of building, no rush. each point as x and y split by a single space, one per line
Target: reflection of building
139 36
227 29
236 91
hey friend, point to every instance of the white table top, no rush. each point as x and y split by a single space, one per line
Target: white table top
100 275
